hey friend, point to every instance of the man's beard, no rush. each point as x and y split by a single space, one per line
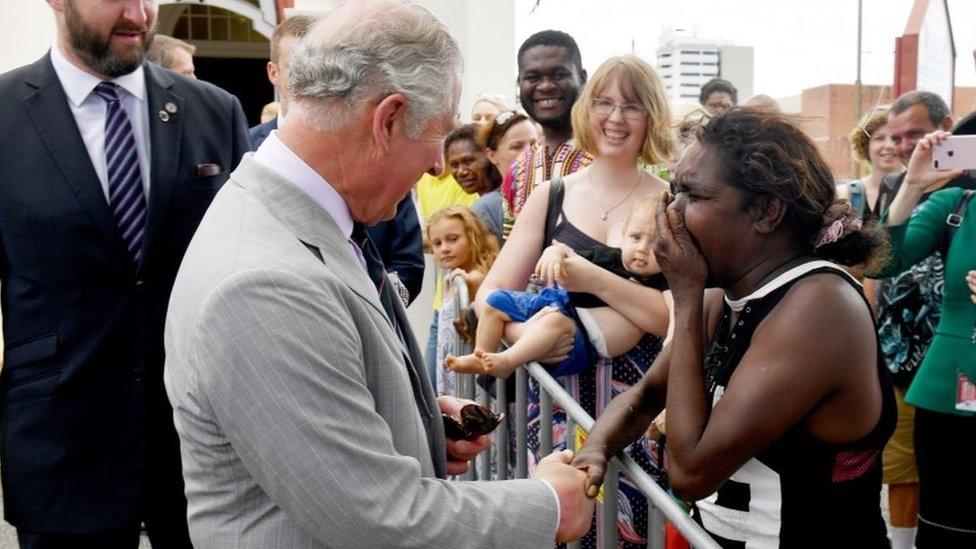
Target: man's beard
560 122
96 50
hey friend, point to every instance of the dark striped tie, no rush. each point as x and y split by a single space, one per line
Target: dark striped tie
126 197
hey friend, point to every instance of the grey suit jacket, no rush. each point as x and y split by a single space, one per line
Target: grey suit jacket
302 421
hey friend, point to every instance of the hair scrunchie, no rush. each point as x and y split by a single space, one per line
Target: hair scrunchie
839 221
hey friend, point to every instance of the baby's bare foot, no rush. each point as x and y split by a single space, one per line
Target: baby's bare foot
497 364
465 364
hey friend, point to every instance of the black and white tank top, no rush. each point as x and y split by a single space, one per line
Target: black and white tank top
799 491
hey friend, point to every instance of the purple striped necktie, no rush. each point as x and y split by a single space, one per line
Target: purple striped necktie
126 196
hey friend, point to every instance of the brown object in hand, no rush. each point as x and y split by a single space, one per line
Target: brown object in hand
476 420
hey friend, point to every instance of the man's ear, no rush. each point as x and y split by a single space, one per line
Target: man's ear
947 124
272 73
388 121
56 5
768 213
582 77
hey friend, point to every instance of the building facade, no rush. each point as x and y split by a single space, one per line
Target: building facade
233 40
685 62
827 115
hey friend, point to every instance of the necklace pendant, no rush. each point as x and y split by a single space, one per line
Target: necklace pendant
604 216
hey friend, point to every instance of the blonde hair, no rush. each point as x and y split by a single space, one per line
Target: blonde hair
649 90
483 251
649 202
861 136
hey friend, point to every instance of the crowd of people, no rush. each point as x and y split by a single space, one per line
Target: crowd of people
206 330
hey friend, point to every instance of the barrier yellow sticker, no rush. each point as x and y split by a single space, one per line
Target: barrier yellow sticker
580 439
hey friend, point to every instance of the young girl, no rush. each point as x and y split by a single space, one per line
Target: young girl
461 246
554 313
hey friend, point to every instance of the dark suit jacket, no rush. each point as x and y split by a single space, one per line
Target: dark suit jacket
259 133
84 419
399 240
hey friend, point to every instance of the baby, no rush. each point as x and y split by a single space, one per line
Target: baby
549 314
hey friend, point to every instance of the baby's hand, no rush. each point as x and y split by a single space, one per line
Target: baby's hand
550 264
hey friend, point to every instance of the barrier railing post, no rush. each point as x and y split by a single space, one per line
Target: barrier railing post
571 445
655 527
521 423
501 435
545 423
484 458
608 510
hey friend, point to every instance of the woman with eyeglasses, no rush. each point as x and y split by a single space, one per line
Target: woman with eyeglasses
508 135
622 118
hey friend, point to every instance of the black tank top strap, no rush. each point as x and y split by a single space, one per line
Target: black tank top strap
730 342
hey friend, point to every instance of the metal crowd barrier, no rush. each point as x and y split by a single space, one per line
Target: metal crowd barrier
660 504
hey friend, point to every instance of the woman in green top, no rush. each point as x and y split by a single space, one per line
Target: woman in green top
944 429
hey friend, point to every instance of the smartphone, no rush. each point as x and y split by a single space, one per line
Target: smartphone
958 151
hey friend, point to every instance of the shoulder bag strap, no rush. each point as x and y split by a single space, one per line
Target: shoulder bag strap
954 221
556 191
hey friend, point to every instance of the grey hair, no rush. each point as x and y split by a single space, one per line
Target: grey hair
366 50
937 108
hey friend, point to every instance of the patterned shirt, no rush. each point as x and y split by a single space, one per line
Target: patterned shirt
533 167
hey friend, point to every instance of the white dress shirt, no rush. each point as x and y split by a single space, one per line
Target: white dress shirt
276 156
89 109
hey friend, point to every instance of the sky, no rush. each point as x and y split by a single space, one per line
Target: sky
798 44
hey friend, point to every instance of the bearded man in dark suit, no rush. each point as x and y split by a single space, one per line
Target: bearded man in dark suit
109 163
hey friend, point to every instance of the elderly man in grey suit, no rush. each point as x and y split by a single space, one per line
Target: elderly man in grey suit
305 416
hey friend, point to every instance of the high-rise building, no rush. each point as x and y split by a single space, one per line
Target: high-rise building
685 62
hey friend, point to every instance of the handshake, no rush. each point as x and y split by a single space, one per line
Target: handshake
576 481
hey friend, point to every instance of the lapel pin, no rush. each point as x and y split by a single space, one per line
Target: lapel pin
164 116
170 108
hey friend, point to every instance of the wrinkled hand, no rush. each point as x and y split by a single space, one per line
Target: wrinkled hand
561 347
575 509
592 461
971 281
676 252
460 452
559 351
921 174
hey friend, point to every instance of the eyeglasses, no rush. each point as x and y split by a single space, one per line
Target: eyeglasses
630 111
476 420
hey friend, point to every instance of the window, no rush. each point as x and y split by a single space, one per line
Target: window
200 22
